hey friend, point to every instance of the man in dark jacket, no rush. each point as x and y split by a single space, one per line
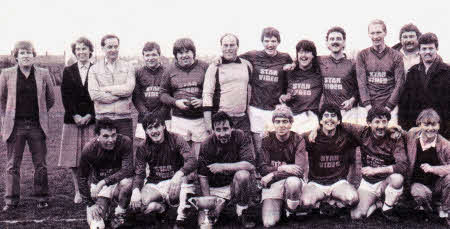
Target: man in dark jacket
427 87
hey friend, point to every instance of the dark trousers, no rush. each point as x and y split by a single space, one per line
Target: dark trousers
26 132
422 193
125 127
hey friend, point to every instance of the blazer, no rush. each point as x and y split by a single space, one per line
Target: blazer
442 149
75 95
8 87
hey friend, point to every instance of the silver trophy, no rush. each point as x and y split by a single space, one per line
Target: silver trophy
206 206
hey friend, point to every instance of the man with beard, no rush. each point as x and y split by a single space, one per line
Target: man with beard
340 86
409 45
384 165
108 160
226 86
380 73
331 158
304 88
429 163
148 82
182 90
282 164
111 83
226 166
170 160
427 86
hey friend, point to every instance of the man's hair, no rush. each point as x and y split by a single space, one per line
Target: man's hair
409 28
270 32
229 34
332 109
309 46
282 111
151 119
428 116
85 41
104 124
149 46
221 117
378 22
378 112
429 38
108 36
27 45
182 44
336 29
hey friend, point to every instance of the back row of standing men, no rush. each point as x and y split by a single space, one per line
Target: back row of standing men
245 87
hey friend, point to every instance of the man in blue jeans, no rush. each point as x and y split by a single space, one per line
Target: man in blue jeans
26 95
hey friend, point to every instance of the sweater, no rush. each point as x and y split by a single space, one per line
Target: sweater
305 89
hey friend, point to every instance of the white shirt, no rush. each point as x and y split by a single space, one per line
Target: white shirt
410 60
83 69
425 145
110 66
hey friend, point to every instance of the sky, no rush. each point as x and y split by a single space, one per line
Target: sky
53 25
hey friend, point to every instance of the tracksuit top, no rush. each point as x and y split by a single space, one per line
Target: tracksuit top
275 153
184 83
268 79
163 160
380 77
305 88
231 90
109 165
239 148
339 80
147 92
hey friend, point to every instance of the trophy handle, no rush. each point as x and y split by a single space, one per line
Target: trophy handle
220 201
193 201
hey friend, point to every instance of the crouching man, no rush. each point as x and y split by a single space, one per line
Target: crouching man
281 163
170 160
429 162
226 165
384 164
109 158
331 157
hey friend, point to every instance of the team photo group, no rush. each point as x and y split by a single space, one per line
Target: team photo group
290 137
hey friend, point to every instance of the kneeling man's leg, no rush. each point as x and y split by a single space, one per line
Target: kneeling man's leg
422 195
311 195
367 201
393 190
346 193
240 190
271 209
293 191
123 194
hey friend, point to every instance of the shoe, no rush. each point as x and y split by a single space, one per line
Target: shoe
42 205
328 209
118 220
245 220
391 216
7 208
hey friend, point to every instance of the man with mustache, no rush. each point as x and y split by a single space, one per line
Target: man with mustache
226 86
182 90
108 160
26 96
111 84
227 165
384 165
409 45
429 163
340 86
331 158
170 161
281 164
427 86
147 90
380 73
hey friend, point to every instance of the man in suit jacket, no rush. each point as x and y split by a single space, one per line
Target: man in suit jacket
26 95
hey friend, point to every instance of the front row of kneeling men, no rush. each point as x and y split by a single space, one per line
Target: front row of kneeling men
299 172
